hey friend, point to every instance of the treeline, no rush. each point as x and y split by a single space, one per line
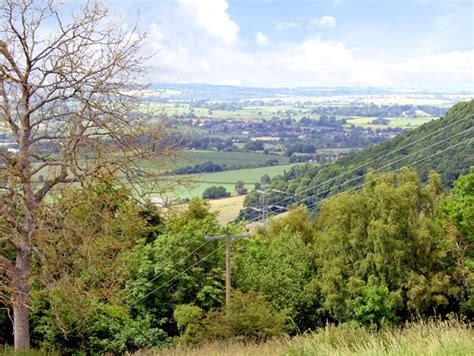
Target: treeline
372 110
116 276
309 183
210 167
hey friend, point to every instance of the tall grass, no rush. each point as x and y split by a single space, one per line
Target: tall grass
422 338
450 337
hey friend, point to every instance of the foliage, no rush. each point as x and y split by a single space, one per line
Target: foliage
314 183
240 188
185 314
278 265
374 307
205 167
177 266
386 236
215 193
75 301
117 276
458 217
249 317
95 328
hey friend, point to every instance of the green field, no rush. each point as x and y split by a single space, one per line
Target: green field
267 112
246 113
230 158
393 122
198 183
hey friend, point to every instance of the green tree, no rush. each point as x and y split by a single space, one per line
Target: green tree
177 266
386 235
240 188
215 193
249 317
77 296
374 307
277 263
459 222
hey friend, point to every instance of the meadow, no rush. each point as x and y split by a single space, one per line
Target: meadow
229 158
393 122
268 111
196 184
448 338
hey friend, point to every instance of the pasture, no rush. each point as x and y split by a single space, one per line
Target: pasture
402 122
198 183
230 158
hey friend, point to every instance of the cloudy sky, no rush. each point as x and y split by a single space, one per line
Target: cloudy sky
272 43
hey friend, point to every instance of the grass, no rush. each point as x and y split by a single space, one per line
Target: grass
393 122
448 338
200 182
440 338
230 158
192 157
227 208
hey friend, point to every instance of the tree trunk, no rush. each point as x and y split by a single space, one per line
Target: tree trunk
21 299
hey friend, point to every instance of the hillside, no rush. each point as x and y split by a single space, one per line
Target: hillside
425 148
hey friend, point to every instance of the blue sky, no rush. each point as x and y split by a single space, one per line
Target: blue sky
275 43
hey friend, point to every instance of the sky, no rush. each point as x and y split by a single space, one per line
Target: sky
293 43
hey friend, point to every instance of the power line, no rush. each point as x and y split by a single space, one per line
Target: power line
179 274
177 262
387 165
318 202
396 170
373 160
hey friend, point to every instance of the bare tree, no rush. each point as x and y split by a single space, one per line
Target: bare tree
69 112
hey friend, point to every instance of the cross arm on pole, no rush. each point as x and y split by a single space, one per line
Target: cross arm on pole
220 237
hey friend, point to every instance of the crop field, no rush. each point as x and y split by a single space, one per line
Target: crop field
393 122
230 158
227 208
192 157
245 113
198 183
267 112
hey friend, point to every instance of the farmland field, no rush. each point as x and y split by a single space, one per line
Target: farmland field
227 208
393 122
200 182
230 158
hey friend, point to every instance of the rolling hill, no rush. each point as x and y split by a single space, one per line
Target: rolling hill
444 145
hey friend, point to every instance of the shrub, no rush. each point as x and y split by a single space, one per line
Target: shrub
249 318
215 193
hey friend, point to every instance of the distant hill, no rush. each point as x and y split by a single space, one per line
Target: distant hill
309 183
197 92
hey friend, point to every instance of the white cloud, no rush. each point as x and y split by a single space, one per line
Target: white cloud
212 16
322 22
194 51
261 39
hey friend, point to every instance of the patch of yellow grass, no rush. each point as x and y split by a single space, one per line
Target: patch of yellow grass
227 208
422 338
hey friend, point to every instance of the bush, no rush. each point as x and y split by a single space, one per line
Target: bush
249 318
215 193
240 188
374 307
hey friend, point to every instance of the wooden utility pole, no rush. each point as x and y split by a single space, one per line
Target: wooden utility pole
228 252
